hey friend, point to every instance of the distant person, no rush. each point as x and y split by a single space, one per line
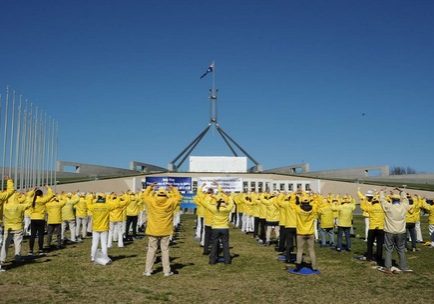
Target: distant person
161 206
4 195
54 221
345 217
394 229
68 216
428 205
367 198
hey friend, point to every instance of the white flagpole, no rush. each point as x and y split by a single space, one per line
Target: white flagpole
55 154
24 149
17 144
34 149
5 129
52 153
11 143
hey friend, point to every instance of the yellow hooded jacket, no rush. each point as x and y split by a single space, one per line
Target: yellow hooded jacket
38 211
54 211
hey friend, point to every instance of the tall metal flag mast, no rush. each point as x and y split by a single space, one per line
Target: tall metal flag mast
177 162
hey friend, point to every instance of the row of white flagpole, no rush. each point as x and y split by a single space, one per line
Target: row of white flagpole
29 140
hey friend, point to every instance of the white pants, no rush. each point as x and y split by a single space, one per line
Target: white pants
71 226
81 221
315 227
17 236
89 224
366 227
99 237
142 219
198 227
116 233
27 222
268 232
419 237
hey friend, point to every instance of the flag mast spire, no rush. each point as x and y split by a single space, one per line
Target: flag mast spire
177 162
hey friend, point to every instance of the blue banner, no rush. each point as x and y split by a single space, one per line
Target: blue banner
183 184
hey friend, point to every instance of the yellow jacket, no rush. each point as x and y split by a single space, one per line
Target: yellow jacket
116 214
68 210
13 213
54 211
4 195
305 220
375 213
345 215
134 205
81 207
38 211
221 215
429 208
101 214
326 216
160 206
271 209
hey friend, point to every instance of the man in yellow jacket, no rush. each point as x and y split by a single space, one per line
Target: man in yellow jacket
306 212
116 219
13 212
133 210
161 206
345 218
428 206
81 217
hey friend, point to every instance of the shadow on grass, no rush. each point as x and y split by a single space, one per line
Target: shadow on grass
25 260
121 257
175 267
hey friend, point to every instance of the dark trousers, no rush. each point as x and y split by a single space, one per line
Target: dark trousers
375 235
282 238
344 231
240 220
38 228
291 235
261 232
219 235
207 241
56 228
411 229
255 226
131 220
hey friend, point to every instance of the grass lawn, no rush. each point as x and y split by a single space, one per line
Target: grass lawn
254 277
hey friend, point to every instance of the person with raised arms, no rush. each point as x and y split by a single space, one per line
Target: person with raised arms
161 206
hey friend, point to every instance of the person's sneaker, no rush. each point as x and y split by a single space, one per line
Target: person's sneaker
41 253
413 249
30 253
407 270
338 249
363 258
168 274
147 274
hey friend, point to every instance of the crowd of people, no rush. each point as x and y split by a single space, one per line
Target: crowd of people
292 221
295 221
107 218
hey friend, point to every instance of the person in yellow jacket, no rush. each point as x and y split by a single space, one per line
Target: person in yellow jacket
4 195
81 217
54 220
13 212
411 218
428 206
288 203
90 199
365 199
37 216
68 216
326 223
345 218
272 214
306 213
116 229
207 218
133 210
161 206
376 228
200 228
220 227
100 210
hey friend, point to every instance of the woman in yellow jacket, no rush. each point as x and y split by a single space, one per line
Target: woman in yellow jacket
4 195
54 220
161 206
133 210
220 227
37 216
410 221
116 229
272 214
13 212
326 223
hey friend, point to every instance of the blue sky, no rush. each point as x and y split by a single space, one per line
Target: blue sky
294 77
